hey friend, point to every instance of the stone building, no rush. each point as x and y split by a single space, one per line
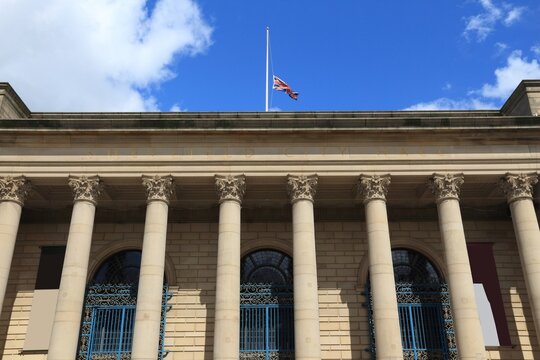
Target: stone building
310 235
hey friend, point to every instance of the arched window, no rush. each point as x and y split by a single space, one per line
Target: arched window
120 268
424 308
413 267
267 266
266 306
109 312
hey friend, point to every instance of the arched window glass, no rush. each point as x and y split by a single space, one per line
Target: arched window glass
413 267
121 268
267 266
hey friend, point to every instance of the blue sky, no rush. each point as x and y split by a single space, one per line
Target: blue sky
209 55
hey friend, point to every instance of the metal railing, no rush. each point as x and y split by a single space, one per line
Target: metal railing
266 322
109 320
425 319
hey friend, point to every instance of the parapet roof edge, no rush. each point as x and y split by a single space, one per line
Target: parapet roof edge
190 124
264 115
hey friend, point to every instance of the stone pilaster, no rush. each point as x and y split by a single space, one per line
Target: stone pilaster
469 337
159 191
373 190
13 193
519 191
301 190
230 191
67 320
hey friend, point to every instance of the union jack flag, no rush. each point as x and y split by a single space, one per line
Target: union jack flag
281 85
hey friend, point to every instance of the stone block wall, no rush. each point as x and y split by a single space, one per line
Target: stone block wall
342 271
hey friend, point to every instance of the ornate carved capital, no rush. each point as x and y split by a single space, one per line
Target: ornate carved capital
302 187
159 187
86 188
446 186
230 187
518 186
373 187
14 189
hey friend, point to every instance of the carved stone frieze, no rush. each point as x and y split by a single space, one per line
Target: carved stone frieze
446 186
159 187
373 187
14 189
86 188
518 186
302 187
230 187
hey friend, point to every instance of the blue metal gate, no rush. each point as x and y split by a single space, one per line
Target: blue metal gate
266 322
108 322
425 318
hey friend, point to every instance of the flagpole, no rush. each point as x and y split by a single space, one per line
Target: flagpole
267 40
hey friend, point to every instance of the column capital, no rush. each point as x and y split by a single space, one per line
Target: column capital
302 187
86 188
446 186
14 188
518 186
230 187
373 187
158 187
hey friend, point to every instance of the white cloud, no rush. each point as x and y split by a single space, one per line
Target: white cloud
490 96
508 77
447 86
536 49
96 55
176 108
500 47
513 15
483 24
449 104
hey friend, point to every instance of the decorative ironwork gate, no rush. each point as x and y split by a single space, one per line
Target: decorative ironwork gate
109 319
266 322
425 318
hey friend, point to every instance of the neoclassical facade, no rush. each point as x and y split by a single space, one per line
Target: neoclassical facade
316 235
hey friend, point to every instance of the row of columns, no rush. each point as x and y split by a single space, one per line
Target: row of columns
301 189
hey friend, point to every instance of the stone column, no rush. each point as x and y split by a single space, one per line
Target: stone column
373 190
469 337
231 191
67 319
13 193
519 190
301 190
159 191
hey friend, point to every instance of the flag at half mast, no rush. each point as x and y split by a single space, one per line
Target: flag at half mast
281 85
